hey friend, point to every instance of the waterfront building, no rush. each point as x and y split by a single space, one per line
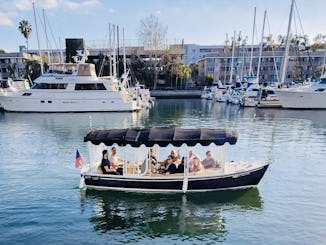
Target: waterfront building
216 60
14 64
194 52
301 65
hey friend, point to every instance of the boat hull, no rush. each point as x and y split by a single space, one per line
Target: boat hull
68 102
197 183
301 100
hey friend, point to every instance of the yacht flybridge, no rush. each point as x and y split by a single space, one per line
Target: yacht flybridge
79 90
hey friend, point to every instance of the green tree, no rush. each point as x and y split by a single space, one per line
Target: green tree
182 72
194 72
33 69
319 42
25 29
2 51
209 80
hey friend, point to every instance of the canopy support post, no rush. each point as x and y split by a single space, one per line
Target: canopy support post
221 154
125 165
185 175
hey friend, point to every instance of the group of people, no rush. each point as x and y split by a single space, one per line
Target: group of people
173 164
112 164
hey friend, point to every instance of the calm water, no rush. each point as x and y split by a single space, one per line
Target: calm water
41 203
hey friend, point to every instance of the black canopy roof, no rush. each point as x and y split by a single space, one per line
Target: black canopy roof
161 136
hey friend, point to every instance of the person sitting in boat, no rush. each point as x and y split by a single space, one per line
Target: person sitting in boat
175 156
153 164
196 166
192 155
209 161
170 168
151 157
106 165
181 166
116 161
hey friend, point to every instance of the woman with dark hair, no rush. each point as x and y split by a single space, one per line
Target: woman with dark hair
170 168
106 165
181 166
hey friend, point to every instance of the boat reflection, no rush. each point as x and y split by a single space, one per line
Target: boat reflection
157 215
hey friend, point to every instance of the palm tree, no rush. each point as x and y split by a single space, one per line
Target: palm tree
25 29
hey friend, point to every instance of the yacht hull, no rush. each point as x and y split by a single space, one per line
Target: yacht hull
301 100
65 103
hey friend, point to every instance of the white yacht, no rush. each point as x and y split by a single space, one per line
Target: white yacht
250 97
312 96
76 91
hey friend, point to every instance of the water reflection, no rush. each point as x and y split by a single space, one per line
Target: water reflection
158 215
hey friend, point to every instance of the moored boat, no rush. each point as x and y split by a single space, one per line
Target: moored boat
138 175
80 91
311 96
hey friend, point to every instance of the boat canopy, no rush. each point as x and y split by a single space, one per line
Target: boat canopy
161 136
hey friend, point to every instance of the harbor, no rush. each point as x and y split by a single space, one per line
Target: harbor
41 198
155 123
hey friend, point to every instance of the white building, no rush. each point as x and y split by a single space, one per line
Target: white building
14 64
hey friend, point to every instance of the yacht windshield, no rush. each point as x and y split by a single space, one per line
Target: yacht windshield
90 86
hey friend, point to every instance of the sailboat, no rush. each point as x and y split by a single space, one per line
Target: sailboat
311 96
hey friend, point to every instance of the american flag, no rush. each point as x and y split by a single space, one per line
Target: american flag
79 159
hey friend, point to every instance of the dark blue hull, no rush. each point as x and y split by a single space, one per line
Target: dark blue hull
176 184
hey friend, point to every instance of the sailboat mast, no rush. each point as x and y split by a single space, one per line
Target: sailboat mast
46 37
252 44
118 51
287 45
261 46
110 48
114 54
38 40
232 58
124 52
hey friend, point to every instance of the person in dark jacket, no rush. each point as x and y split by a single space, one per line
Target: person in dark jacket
170 168
106 165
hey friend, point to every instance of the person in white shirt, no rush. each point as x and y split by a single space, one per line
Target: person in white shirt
115 160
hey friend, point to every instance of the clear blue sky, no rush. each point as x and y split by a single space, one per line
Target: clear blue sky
204 22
